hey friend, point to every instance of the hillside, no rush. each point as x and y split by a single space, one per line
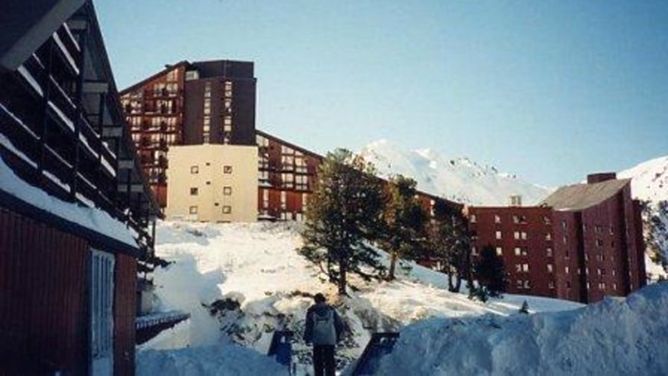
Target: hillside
460 179
650 184
242 281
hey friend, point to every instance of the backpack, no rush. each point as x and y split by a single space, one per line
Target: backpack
324 329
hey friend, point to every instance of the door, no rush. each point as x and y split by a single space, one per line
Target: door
101 313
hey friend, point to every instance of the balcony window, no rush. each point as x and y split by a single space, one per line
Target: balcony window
227 191
194 169
227 169
194 191
227 209
193 210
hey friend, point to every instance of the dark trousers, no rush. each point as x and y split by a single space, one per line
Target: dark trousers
323 360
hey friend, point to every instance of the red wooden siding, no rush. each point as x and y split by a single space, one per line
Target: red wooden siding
43 314
125 282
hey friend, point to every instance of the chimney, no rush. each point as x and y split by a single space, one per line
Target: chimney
516 200
600 177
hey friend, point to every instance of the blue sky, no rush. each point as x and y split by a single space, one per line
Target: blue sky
549 90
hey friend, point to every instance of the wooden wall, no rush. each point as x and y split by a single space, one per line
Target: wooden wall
43 311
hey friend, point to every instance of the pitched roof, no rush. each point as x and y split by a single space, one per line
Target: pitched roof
582 196
26 25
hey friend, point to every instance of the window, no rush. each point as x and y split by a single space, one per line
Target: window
549 268
498 234
194 191
526 284
474 251
516 219
548 251
227 169
227 209
523 235
193 210
227 191
518 268
563 224
548 236
547 220
566 270
517 251
550 285
284 200
568 284
516 235
519 284
101 306
499 251
194 169
497 218
525 267
473 218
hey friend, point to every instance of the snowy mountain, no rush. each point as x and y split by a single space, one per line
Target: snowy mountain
650 183
649 179
460 179
240 282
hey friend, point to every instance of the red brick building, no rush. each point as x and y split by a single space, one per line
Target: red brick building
214 102
581 243
522 237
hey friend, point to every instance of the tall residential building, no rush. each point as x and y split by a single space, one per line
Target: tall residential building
189 104
581 243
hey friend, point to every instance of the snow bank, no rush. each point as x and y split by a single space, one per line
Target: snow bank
612 337
240 282
227 360
88 217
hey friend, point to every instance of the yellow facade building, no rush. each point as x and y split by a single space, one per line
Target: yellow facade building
212 183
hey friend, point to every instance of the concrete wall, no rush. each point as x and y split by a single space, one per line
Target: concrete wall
210 180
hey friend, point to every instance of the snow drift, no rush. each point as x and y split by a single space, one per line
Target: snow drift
612 337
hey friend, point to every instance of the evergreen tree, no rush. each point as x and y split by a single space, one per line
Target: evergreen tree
449 243
525 308
490 274
343 216
404 220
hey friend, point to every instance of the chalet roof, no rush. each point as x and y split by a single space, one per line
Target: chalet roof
582 196
26 25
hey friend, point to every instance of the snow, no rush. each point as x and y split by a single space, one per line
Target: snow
257 265
88 217
459 179
650 183
612 337
229 360
31 80
62 116
649 179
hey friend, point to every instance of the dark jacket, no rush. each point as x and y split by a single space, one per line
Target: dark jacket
321 309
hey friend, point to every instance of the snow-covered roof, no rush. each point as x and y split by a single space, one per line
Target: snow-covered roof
90 218
582 196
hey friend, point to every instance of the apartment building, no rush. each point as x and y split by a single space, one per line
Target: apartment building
581 243
213 183
207 102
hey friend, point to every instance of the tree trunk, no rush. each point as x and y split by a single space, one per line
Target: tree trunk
393 265
342 276
451 286
458 284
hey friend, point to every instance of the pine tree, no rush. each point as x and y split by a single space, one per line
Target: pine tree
404 220
525 308
343 217
449 243
490 274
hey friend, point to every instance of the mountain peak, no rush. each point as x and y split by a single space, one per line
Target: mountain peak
460 179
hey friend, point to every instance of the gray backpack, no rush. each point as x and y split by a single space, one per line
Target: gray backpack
324 329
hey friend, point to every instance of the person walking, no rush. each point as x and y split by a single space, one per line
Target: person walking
323 330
